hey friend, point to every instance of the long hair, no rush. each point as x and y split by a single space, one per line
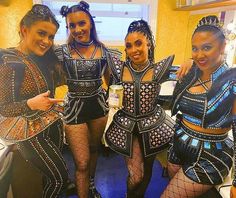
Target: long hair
83 7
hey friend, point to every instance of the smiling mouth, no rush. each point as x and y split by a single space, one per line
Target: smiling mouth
202 62
43 47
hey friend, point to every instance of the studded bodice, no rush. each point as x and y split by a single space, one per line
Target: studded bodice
140 96
210 110
84 76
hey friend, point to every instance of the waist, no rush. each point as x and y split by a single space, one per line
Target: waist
215 131
84 87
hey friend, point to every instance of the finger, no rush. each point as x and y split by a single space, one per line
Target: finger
46 94
55 100
179 73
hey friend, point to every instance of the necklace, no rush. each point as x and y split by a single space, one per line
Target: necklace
85 44
81 56
139 67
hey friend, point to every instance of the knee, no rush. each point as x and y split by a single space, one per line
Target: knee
82 166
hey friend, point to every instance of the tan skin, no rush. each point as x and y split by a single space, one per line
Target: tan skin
137 46
208 54
91 132
37 39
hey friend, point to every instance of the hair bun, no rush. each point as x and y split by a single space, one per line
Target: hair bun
84 5
210 20
64 10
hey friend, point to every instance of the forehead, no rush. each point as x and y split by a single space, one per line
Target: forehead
134 36
77 16
46 26
204 37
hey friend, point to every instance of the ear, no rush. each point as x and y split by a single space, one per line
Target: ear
222 50
23 31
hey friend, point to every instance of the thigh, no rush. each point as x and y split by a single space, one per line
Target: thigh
135 164
96 129
45 156
173 169
56 133
78 140
182 186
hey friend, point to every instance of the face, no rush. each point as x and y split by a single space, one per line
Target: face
79 26
38 38
137 46
207 50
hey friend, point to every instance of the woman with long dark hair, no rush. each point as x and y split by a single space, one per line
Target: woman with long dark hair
30 117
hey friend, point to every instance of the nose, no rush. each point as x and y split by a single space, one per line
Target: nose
46 40
133 49
77 29
200 54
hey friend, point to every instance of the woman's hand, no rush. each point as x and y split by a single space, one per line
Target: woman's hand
42 102
184 68
232 192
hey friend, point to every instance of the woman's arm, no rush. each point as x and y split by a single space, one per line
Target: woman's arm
184 68
11 103
9 106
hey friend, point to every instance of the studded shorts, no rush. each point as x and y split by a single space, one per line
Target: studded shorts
205 158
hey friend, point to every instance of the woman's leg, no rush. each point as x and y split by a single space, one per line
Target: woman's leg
42 152
78 140
96 129
140 171
182 186
172 169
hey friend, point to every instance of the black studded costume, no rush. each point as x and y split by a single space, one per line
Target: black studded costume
141 115
205 158
37 134
86 99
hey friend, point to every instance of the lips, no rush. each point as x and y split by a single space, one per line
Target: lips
135 56
202 62
43 47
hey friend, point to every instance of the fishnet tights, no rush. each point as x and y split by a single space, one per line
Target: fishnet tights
140 172
78 139
84 141
181 186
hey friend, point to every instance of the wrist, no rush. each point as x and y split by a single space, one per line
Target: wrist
30 104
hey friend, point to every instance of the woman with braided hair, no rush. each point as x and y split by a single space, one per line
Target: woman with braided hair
141 128
85 60
202 153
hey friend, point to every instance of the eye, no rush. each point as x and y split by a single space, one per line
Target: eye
51 37
194 49
42 33
71 25
128 45
207 48
138 43
82 23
